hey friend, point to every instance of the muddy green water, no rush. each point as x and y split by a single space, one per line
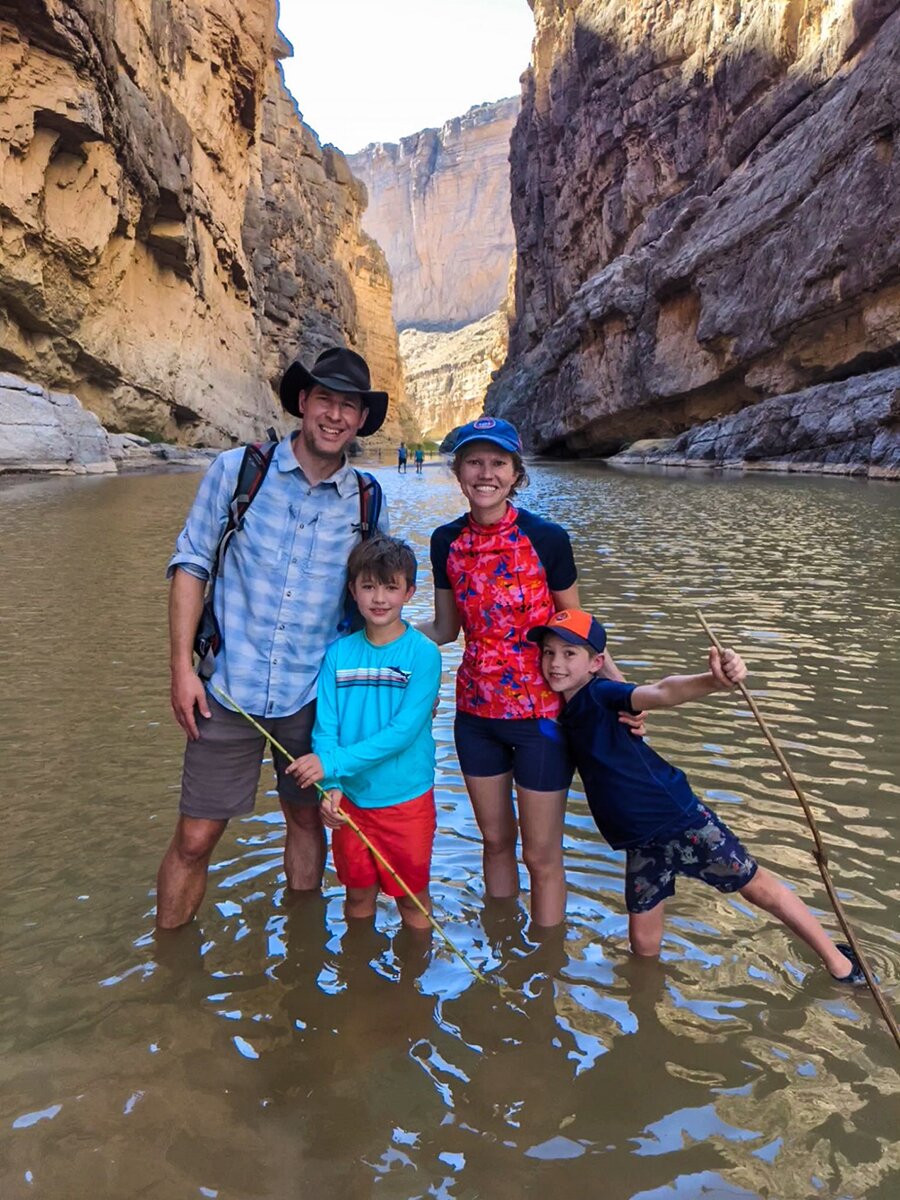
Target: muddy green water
267 1053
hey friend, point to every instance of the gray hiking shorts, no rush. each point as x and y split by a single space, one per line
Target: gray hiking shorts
221 769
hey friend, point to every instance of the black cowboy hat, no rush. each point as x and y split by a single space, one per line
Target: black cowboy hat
338 370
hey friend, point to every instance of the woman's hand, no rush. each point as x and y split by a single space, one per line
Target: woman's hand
636 722
332 817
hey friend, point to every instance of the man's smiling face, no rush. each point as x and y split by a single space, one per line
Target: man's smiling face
331 420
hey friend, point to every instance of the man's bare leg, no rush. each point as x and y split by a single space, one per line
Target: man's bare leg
304 846
181 882
645 931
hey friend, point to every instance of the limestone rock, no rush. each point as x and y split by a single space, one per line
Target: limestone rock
447 374
49 431
171 234
704 199
846 428
438 204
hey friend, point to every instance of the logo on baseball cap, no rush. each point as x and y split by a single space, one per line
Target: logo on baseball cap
488 429
575 626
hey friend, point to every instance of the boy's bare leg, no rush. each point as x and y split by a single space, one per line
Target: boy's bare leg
491 798
542 817
304 846
413 917
360 902
771 895
181 882
645 931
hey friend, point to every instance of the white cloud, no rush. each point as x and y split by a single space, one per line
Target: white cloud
367 71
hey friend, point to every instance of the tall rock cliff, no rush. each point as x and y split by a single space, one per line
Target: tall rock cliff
704 197
438 203
171 234
439 207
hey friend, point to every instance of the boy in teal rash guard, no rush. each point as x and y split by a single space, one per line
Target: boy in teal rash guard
373 750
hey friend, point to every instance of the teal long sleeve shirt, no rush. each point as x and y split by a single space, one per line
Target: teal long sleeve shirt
373 718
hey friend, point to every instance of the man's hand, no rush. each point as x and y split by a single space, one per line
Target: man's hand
728 668
187 695
332 817
636 722
306 770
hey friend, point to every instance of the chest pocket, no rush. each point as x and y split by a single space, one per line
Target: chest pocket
332 535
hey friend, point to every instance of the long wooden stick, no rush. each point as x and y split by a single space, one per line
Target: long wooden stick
819 853
373 849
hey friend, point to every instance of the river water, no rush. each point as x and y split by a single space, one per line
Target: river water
266 1052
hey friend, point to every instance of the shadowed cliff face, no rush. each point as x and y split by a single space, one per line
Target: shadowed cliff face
704 198
171 232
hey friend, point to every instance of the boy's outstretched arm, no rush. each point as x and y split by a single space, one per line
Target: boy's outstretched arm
726 671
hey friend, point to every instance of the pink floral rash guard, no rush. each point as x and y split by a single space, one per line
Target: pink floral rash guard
502 577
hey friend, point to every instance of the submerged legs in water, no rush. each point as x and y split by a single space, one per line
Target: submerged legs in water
541 816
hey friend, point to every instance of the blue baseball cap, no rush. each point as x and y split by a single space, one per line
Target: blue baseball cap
488 429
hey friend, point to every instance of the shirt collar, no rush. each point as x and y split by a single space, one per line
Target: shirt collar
344 478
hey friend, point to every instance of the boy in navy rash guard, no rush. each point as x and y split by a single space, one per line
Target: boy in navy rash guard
373 750
644 805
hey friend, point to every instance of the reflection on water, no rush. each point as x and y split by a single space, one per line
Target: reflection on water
270 1051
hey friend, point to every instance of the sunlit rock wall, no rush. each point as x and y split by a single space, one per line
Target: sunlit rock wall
170 232
439 208
704 197
447 374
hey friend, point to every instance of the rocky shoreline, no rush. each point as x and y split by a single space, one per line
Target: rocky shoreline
52 433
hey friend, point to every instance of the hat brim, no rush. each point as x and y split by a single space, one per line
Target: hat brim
540 632
297 379
485 436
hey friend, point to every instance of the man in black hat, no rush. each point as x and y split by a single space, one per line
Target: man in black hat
279 602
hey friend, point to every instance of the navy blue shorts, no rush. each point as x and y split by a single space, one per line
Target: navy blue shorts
534 750
706 850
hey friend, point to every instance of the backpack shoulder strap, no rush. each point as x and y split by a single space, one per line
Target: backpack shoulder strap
371 499
252 471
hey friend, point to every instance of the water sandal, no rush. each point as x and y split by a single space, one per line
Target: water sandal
856 977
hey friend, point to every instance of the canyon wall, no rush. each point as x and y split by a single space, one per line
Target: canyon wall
171 234
704 196
438 203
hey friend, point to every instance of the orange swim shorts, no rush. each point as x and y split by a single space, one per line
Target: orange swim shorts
403 833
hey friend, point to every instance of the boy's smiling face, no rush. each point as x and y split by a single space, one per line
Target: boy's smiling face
381 604
568 667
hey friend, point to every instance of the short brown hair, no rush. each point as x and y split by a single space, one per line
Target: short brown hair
518 465
381 559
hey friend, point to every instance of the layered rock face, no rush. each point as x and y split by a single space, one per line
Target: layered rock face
439 208
171 234
438 202
704 198
447 374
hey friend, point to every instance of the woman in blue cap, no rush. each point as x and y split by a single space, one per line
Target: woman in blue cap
498 571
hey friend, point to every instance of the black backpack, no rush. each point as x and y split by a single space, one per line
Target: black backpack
254 467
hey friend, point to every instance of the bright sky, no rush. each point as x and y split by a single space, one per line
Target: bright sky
375 70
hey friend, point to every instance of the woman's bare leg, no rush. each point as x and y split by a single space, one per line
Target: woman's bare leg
541 819
491 797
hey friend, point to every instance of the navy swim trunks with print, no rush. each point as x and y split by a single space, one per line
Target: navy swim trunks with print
706 850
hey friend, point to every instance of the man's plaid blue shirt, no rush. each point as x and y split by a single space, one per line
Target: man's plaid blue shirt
280 596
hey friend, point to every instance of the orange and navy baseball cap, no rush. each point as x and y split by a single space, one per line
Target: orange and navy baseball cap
575 626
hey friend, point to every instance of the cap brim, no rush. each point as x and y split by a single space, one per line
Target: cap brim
540 631
297 379
485 437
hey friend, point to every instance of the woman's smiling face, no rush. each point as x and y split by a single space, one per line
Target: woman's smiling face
486 476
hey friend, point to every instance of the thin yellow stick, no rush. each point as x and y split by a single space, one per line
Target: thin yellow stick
819 853
377 853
